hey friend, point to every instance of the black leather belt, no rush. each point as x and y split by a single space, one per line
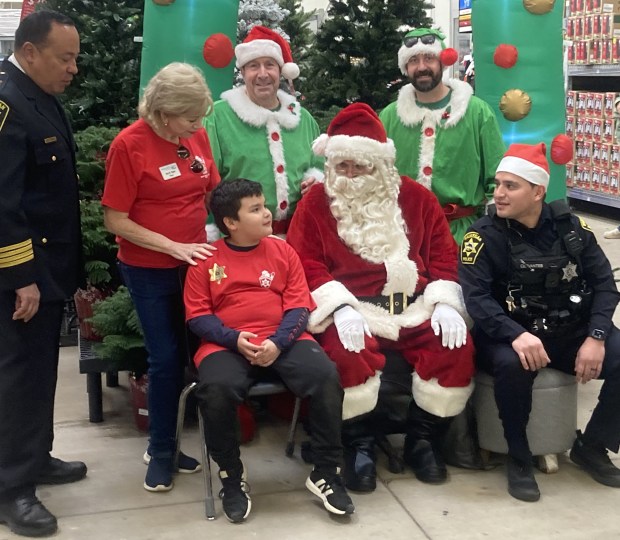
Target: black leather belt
395 303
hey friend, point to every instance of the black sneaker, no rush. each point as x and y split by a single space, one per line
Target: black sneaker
234 494
595 461
329 487
521 482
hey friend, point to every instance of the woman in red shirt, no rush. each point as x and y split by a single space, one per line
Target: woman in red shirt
159 176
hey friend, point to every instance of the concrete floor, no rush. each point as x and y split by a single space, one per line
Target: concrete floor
110 504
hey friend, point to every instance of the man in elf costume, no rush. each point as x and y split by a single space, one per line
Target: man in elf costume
260 132
382 268
446 138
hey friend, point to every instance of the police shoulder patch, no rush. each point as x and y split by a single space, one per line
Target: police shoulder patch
4 112
584 225
471 247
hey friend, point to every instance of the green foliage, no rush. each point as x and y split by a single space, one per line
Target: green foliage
116 320
295 24
355 54
98 244
93 144
105 90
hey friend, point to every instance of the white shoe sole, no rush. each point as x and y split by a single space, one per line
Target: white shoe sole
158 488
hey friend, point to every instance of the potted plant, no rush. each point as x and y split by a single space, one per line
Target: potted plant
116 321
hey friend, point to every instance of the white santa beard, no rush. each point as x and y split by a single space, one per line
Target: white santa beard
368 216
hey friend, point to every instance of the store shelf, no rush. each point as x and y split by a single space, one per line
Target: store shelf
594 70
593 196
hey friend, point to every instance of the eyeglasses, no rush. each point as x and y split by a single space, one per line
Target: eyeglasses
427 39
356 169
195 166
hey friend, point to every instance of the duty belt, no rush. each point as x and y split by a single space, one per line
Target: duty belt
395 303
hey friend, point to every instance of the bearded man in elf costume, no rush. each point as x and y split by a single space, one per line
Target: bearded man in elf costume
382 267
447 139
262 133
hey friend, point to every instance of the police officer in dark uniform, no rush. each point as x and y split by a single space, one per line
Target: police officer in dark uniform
541 293
40 261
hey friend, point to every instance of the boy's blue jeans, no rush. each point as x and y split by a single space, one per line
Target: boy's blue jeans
157 294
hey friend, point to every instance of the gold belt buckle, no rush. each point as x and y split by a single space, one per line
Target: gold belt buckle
395 303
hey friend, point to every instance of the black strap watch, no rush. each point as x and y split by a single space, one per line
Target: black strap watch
598 334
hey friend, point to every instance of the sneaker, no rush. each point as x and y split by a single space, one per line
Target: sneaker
329 487
521 482
236 502
159 475
187 464
595 461
613 234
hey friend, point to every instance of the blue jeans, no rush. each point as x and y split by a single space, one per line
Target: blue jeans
157 294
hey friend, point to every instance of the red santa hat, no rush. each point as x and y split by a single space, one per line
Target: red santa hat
355 133
528 161
263 41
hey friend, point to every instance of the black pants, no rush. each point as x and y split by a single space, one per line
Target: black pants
513 388
225 378
28 373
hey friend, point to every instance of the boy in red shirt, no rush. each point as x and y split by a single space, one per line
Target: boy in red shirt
249 303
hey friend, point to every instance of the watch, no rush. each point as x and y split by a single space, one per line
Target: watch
598 334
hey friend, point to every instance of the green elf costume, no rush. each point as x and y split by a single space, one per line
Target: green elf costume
451 146
273 147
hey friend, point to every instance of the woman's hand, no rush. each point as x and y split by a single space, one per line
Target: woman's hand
189 252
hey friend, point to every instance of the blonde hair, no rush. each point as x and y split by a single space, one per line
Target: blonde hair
175 90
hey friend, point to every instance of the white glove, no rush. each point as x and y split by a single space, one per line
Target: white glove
452 325
351 327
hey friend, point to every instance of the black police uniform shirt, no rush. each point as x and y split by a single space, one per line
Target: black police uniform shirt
485 259
40 239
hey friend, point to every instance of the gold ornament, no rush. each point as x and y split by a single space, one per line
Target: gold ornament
163 2
515 104
538 7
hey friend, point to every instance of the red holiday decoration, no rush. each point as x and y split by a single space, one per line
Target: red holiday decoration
505 56
448 57
561 149
218 50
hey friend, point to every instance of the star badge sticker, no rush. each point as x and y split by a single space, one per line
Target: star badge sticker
217 273
570 272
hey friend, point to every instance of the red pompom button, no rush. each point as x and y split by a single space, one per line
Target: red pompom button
429 132
561 149
275 136
505 56
283 205
427 170
280 169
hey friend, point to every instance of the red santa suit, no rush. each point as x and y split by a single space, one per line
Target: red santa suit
422 265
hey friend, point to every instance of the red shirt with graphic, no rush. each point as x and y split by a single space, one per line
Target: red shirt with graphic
248 290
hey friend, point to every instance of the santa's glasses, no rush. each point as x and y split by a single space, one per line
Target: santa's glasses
426 39
195 166
352 168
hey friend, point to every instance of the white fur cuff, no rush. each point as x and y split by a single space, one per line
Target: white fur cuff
438 400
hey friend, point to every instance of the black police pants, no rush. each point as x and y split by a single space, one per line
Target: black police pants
305 369
28 373
513 388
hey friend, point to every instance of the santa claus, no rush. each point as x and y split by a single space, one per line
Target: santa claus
382 267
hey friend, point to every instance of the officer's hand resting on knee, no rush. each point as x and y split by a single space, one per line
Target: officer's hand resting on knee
452 326
531 352
589 361
351 327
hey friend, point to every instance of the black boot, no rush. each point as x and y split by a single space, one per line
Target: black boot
421 442
358 441
593 459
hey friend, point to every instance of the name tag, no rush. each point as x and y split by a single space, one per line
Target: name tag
49 140
168 172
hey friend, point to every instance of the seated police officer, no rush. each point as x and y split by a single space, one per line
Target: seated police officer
542 293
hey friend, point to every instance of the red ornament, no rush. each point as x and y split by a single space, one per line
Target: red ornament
218 50
280 169
427 170
448 57
283 205
445 115
505 56
561 149
275 136
429 132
